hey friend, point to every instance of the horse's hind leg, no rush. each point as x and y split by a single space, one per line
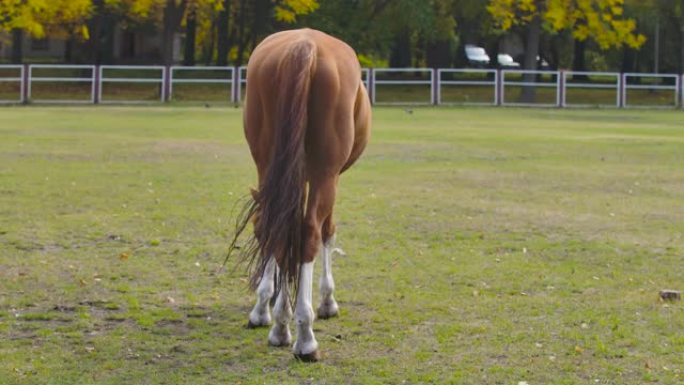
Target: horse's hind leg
282 314
319 207
260 315
306 346
328 307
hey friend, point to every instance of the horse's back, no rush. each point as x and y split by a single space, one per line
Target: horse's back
335 102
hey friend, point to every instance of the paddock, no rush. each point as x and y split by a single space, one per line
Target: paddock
484 245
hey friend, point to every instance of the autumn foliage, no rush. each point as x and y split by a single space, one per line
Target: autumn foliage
601 20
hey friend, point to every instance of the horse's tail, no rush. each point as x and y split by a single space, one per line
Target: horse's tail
281 198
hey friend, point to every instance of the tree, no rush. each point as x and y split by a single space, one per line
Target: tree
409 32
473 26
190 34
670 14
63 18
172 16
288 10
600 20
223 31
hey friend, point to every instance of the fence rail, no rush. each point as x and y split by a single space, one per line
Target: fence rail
92 84
12 75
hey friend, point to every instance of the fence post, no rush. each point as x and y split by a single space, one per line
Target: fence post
435 86
499 79
166 84
96 84
622 90
371 85
233 84
680 90
561 89
25 79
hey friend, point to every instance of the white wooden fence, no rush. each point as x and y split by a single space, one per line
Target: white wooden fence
43 83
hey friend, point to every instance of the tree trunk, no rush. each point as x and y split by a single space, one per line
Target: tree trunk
209 45
93 44
262 17
681 40
173 14
400 56
108 30
681 48
17 46
222 27
628 55
438 54
190 36
69 50
578 59
242 38
530 62
555 51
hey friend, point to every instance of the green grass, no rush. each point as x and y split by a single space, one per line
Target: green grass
485 246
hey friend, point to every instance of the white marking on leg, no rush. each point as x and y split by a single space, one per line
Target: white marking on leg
260 315
282 314
328 307
304 316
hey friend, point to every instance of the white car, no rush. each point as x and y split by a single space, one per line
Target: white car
505 60
477 56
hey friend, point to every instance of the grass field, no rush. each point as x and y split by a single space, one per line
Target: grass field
485 246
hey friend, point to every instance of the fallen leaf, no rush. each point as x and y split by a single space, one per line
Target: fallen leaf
123 256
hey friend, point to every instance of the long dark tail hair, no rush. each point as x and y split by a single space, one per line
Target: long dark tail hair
278 206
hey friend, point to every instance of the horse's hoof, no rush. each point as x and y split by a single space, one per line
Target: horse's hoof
279 343
314 356
279 338
252 325
325 314
329 310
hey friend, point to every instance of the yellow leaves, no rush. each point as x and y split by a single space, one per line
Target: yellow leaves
557 15
288 10
37 17
528 6
503 12
581 33
601 20
85 33
284 14
143 8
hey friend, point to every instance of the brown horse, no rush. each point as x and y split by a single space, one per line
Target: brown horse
306 119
